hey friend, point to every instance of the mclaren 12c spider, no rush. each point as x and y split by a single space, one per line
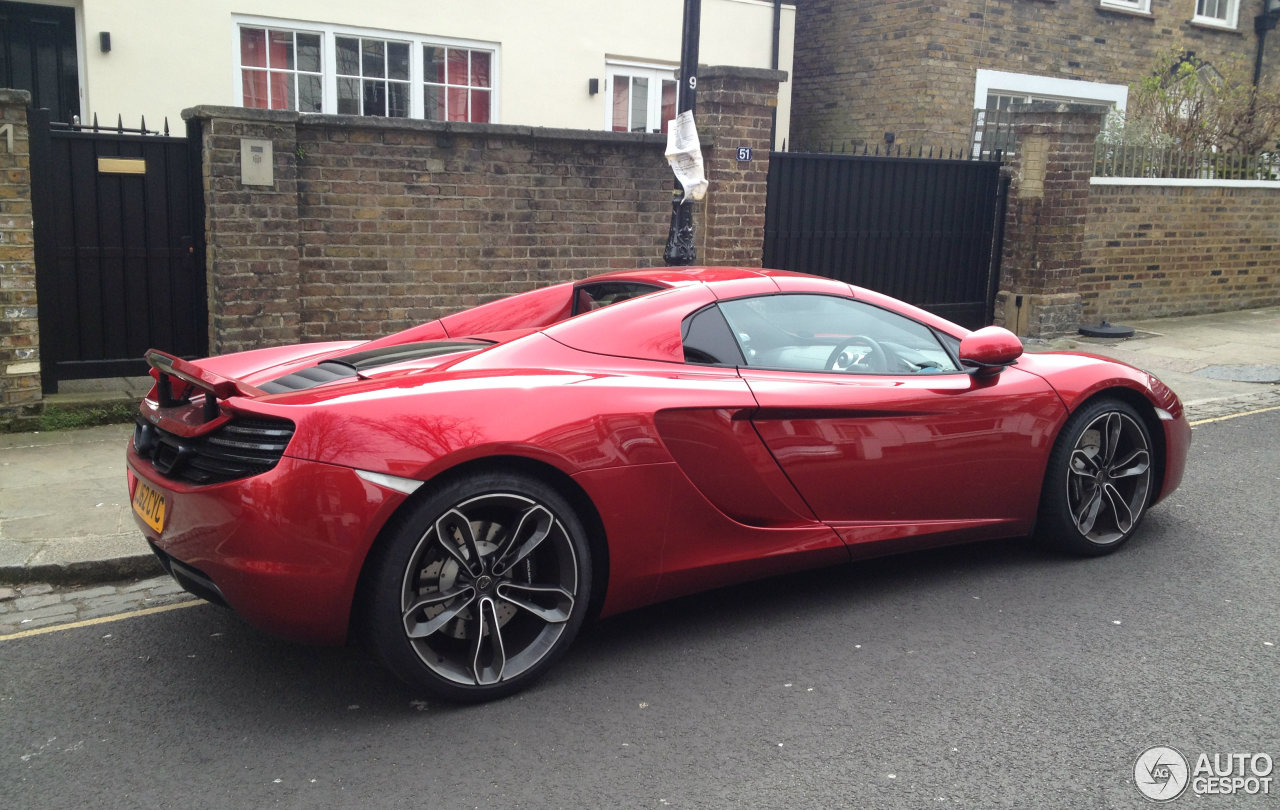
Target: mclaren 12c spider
462 495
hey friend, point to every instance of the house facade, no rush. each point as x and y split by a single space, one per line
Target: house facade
603 65
919 68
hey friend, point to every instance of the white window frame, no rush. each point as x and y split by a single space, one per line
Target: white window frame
1229 21
995 82
360 78
1072 90
1135 6
295 71
656 73
446 85
328 34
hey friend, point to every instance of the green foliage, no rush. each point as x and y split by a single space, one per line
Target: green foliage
68 417
1187 104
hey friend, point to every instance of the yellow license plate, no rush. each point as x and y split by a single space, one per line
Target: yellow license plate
149 505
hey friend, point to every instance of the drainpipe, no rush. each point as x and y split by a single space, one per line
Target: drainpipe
777 50
1261 25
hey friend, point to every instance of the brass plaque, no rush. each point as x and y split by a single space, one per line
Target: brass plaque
107 165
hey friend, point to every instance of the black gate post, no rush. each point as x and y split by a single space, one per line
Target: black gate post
195 243
41 157
997 248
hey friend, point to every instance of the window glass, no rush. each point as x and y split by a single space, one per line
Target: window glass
253 48
621 104
640 99
598 294
309 52
456 84
382 70
1130 5
827 333
1216 12
373 58
708 341
480 65
367 75
279 69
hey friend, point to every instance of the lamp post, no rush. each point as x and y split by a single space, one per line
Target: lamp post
680 250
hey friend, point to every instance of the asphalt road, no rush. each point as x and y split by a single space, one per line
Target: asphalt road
985 676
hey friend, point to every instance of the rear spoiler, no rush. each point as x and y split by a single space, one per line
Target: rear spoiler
166 368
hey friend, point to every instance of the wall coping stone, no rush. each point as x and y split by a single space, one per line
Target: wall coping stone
1188 182
15 97
734 72
205 112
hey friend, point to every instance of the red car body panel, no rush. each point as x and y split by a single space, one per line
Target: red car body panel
296 583
699 475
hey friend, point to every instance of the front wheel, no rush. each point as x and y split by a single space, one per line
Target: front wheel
479 588
1098 483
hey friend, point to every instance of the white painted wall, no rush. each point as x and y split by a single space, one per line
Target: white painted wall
171 54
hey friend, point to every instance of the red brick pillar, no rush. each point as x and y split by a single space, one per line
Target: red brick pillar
20 398
250 179
735 113
1052 162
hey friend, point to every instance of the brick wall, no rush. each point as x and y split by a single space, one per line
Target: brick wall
1156 251
908 66
1080 249
1046 218
373 225
19 334
735 105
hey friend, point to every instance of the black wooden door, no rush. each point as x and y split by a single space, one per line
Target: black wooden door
38 54
924 230
119 250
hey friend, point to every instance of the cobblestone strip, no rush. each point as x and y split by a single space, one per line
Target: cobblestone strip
1267 396
26 607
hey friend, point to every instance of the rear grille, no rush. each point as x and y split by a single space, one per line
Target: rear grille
239 449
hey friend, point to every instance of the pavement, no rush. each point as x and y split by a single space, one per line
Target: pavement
65 515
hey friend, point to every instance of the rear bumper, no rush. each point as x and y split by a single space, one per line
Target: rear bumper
284 549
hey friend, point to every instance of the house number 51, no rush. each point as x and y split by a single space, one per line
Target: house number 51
7 131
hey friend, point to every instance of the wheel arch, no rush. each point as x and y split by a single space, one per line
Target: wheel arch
1147 410
549 474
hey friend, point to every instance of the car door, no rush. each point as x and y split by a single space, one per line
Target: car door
881 431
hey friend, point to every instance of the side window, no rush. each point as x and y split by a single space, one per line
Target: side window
639 98
600 294
826 333
708 340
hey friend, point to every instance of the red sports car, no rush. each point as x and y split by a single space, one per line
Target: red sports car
463 494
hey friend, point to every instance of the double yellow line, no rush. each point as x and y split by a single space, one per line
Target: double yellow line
116 617
1199 422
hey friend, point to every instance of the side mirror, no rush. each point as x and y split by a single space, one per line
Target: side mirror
990 349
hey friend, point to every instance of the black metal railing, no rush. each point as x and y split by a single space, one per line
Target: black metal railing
1125 160
75 125
991 135
863 148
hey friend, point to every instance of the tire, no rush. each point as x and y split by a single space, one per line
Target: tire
1098 484
479 588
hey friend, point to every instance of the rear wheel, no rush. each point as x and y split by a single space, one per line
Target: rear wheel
1098 483
480 588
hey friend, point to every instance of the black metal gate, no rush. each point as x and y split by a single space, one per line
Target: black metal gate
119 243
925 230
